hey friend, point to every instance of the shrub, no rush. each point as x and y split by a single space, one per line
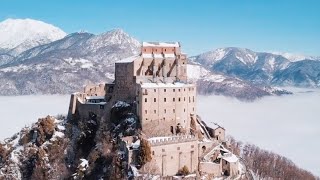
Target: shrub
144 155
183 171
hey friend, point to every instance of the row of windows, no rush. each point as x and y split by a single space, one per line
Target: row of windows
178 148
173 99
165 111
173 90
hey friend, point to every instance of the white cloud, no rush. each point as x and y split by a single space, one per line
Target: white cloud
286 125
18 111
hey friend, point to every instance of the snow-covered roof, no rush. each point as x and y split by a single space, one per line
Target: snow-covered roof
94 97
169 55
163 85
147 55
128 59
215 126
161 44
230 157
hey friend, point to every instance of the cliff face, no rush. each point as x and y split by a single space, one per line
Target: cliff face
56 148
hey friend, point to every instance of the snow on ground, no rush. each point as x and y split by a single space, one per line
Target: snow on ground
82 62
196 71
121 104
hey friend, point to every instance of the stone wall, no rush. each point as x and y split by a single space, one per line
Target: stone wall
163 109
170 155
211 168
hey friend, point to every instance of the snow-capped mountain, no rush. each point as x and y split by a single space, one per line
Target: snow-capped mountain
258 67
213 83
19 35
295 57
66 65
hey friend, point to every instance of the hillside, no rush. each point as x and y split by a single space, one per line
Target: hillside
55 148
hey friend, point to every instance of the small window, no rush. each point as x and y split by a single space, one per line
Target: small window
145 100
184 110
184 98
165 111
179 99
174 90
192 146
178 148
155 90
193 98
165 90
155 111
184 89
174 99
152 152
192 109
179 90
154 99
174 111
145 111
163 150
165 99
189 99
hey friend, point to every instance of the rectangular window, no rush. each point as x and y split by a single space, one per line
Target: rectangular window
145 111
155 111
184 98
193 98
189 99
165 99
174 99
165 90
179 99
174 111
174 90
154 99
165 111
179 90
145 100
155 90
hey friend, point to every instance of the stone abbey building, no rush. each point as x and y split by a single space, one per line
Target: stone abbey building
165 103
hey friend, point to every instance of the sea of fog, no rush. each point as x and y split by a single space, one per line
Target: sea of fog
288 125
19 111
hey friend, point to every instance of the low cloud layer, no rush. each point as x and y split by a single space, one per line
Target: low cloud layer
18 111
286 125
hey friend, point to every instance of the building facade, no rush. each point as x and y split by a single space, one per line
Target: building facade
155 81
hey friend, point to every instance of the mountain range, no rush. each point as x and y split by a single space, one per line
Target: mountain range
38 58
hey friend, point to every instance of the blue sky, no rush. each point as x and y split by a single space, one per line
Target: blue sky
200 25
